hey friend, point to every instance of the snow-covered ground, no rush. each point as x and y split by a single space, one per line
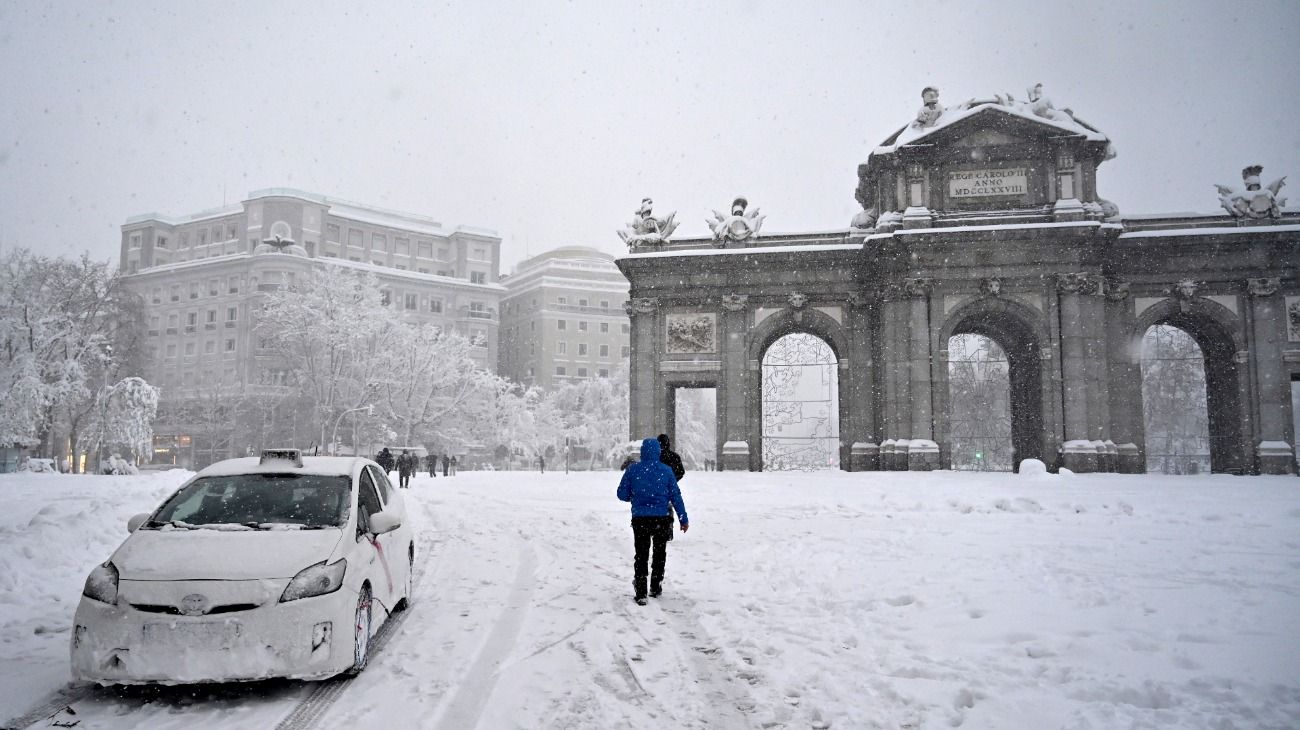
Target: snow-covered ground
887 600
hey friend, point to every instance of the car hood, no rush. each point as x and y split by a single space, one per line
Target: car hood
220 555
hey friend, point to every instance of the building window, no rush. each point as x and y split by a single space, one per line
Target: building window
230 232
176 292
214 287
203 237
582 372
560 371
604 328
157 295
185 240
189 348
379 242
171 351
478 277
582 302
582 349
209 347
604 304
561 348
435 305
561 300
561 325
626 350
604 372
212 316
424 249
604 350
626 329
403 246
162 242
385 297
530 372
480 254
194 290
356 238
582 325
232 314
532 348
230 345
191 320
411 301
332 232
135 240
478 337
234 285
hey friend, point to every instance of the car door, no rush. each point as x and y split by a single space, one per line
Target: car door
379 561
395 542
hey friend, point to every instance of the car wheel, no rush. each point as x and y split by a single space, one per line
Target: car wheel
361 633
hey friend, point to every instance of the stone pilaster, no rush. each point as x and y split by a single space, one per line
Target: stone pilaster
856 387
647 403
1082 364
1267 335
735 386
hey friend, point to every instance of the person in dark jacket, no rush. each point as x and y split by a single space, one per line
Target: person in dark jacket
432 462
385 460
652 489
670 457
405 468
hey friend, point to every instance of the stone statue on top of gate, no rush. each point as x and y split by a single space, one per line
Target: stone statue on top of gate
1255 200
645 230
739 226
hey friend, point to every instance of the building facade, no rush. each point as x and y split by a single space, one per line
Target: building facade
983 219
562 318
201 277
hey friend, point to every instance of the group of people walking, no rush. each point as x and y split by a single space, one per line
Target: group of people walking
651 486
408 462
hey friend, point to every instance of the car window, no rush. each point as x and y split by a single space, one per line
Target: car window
381 481
367 502
258 500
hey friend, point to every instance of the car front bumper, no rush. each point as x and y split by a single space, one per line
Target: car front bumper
311 638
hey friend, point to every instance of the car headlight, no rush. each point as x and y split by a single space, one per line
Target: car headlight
315 580
101 584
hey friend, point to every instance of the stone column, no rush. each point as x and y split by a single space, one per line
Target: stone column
1123 380
733 395
923 452
645 400
896 402
1078 453
1266 337
856 388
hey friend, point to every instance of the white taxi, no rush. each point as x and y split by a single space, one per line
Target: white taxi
279 566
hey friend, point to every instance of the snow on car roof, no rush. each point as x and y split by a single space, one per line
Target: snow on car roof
327 465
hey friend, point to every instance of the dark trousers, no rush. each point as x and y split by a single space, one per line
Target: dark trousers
648 531
404 479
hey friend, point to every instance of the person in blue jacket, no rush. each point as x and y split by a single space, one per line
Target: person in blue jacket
651 487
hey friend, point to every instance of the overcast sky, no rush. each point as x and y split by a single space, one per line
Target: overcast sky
549 122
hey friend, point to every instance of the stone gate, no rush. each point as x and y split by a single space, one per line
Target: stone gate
982 218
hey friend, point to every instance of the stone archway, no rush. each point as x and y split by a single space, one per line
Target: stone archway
1020 332
794 320
1216 332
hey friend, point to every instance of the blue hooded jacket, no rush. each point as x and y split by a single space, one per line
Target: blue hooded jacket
650 486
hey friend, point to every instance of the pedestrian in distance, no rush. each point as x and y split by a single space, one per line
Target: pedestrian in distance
652 490
431 461
453 466
385 460
674 462
446 464
541 464
405 468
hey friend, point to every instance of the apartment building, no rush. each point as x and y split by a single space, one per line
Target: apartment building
562 318
200 277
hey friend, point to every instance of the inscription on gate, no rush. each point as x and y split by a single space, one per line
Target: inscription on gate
987 183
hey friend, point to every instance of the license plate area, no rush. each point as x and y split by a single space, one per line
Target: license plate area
195 634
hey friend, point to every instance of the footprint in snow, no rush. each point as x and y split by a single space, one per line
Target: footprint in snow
904 600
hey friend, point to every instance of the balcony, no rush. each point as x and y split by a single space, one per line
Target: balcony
153 333
485 314
190 329
171 330
210 326
230 324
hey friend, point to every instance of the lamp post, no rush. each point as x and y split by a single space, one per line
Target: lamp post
334 437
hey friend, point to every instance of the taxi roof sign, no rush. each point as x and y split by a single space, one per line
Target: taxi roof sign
291 455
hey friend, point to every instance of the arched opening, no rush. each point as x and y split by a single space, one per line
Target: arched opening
979 398
997 336
1175 409
801 410
1219 396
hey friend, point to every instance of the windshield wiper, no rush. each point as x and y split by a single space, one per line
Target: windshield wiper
178 524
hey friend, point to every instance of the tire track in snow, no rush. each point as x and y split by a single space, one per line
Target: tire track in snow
471 696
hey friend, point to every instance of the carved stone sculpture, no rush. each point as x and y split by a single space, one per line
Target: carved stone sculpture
991 287
644 305
1116 290
647 230
930 110
865 220
917 287
1254 200
1185 288
1041 106
798 302
1078 283
739 226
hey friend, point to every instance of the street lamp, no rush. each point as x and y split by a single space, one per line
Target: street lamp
334 437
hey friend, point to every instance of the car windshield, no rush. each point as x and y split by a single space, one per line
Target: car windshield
258 502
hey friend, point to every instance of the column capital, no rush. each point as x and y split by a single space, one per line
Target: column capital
917 287
1263 287
735 302
1116 290
640 305
1079 282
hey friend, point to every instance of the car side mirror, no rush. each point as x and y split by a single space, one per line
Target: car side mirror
134 523
384 521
